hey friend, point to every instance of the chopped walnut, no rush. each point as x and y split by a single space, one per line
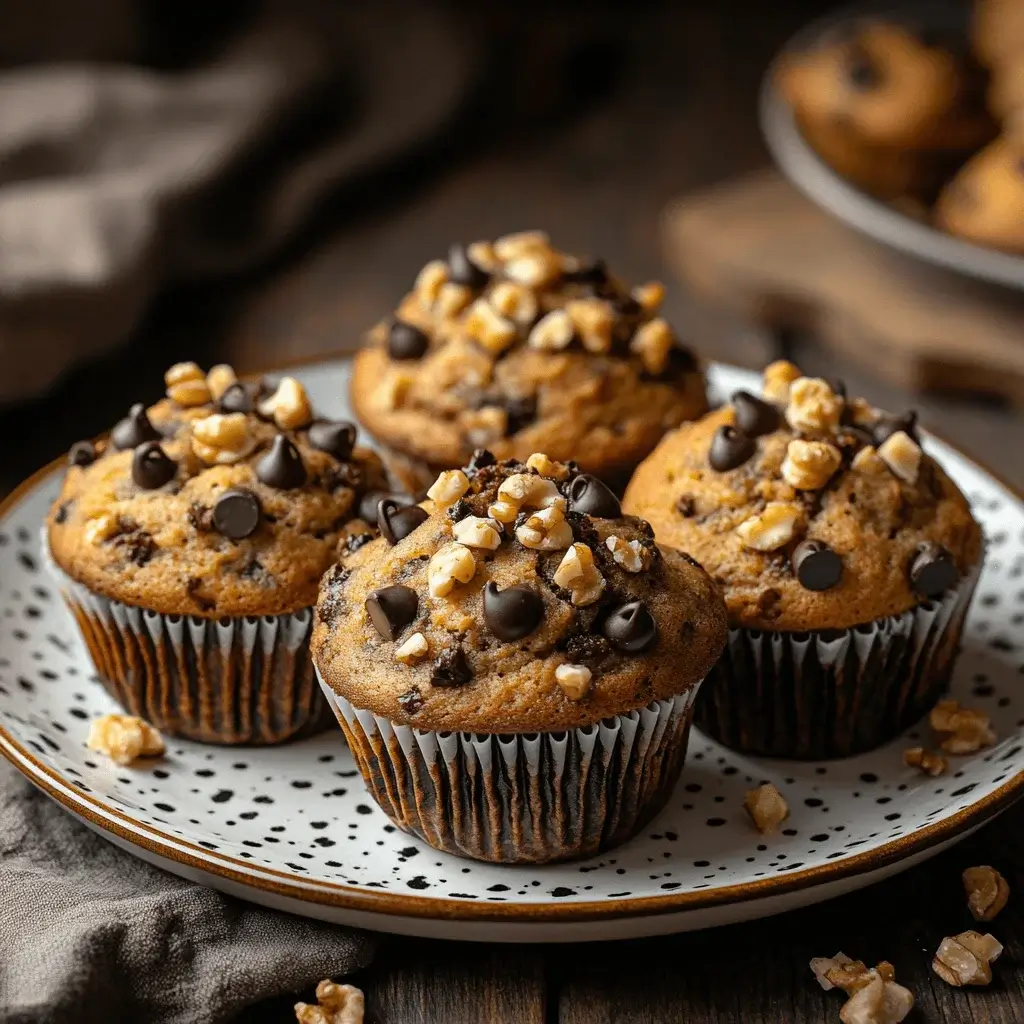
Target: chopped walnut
964 730
536 269
429 282
574 680
503 512
219 379
186 385
867 461
483 255
222 438
987 892
289 406
767 807
875 998
489 328
540 462
901 453
545 530
526 490
966 959
515 302
452 299
653 342
450 485
124 738
926 761
630 554
650 296
809 465
840 967
777 378
578 574
521 243
101 528
771 529
454 563
485 426
476 532
390 393
813 406
337 1004
592 321
552 332
414 649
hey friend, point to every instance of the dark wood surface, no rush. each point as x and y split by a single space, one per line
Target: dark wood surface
673 111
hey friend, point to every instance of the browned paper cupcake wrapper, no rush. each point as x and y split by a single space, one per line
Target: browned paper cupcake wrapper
818 695
233 681
522 798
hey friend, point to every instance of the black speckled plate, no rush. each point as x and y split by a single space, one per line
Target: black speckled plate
292 827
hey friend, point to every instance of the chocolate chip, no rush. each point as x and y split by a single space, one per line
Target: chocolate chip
238 397
462 270
282 466
138 547
391 609
932 570
134 429
592 497
884 427
816 565
512 613
521 412
151 466
626 305
336 437
451 668
682 358
686 506
237 513
631 628
593 272
406 341
729 448
369 502
411 701
838 386
83 453
754 416
61 515
862 71
396 522
480 459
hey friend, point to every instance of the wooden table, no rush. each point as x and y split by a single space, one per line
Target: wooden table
681 115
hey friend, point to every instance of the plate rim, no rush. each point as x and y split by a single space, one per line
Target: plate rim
189 854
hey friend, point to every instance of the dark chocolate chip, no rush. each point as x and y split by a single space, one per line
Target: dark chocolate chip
236 398
151 466
411 701
816 565
480 459
61 514
134 429
593 497
237 513
521 412
754 416
862 70
282 466
369 502
682 358
462 270
391 609
512 613
83 453
631 628
729 448
626 305
138 547
838 386
451 668
594 272
406 341
336 437
886 426
932 570
396 522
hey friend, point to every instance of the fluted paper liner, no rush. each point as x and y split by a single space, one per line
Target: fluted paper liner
827 694
246 680
522 798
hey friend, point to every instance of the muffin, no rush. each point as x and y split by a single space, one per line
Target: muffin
190 543
519 348
984 203
887 107
846 556
514 662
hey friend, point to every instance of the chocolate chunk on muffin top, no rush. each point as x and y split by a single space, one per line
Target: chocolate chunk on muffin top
523 600
812 510
225 498
518 347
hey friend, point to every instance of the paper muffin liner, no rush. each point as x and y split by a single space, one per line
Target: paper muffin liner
834 693
244 680
522 798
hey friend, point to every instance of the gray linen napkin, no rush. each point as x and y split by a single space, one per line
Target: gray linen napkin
92 935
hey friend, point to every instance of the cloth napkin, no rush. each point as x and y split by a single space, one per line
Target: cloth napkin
91 935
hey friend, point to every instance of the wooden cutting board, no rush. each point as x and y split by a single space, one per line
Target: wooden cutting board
758 249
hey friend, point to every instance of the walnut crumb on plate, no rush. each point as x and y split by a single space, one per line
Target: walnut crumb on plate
767 807
124 738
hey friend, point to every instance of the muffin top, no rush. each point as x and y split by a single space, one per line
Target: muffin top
812 510
225 498
520 348
518 597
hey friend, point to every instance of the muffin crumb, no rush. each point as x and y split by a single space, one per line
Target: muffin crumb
124 738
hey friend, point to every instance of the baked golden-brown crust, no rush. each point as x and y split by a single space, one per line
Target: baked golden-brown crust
744 524
572 363
160 548
566 671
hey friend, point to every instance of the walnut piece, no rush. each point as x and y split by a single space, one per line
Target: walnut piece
540 462
809 465
454 563
102 527
592 320
838 966
777 378
813 406
653 343
486 425
414 649
901 453
429 282
536 269
987 892
219 379
966 959
866 461
926 761
771 529
450 485
452 299
476 532
578 574
545 530
875 998
630 554
650 296
289 406
336 1004
520 243
552 332
963 730
574 680
527 490
124 738
489 328
767 807
186 385
515 302
222 438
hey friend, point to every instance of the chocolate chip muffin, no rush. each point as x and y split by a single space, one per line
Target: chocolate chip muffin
520 348
887 106
519 642
846 555
190 544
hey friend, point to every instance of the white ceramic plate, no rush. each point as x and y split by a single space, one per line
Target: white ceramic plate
293 827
